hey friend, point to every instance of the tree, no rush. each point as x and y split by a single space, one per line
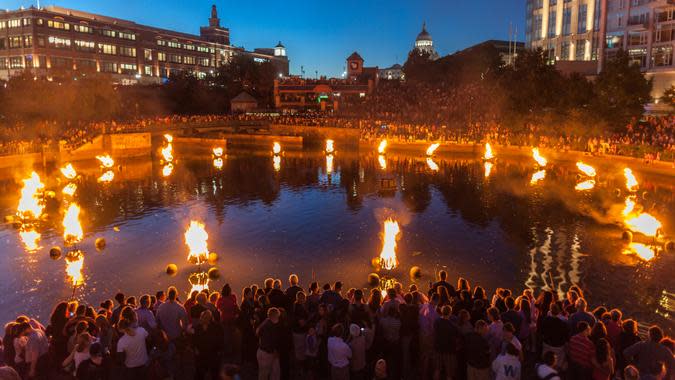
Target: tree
418 66
668 96
621 91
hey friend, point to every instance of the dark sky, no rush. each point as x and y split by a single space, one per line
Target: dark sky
320 34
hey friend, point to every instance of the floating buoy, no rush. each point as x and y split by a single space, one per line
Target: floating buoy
116 229
214 274
9 219
17 224
415 273
669 246
375 262
213 258
100 243
55 253
374 280
171 269
627 236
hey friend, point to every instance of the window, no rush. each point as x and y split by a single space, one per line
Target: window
3 25
82 28
189 47
14 42
58 24
565 51
127 36
109 67
536 28
58 42
108 33
85 45
567 21
161 56
147 54
175 58
614 41
4 64
551 24
3 44
638 56
14 24
665 33
582 18
662 56
189 60
203 61
173 44
41 41
88 65
552 3
127 51
148 70
128 68
161 42
40 21
580 53
203 49
16 62
27 41
27 21
107 49
637 38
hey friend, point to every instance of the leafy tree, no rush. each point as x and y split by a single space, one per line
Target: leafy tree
668 96
621 91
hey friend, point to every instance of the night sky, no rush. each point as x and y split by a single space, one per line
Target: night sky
320 34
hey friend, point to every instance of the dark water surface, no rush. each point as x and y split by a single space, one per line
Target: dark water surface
498 231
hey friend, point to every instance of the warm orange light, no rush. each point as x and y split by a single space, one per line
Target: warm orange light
585 185
69 189
629 206
432 165
106 161
388 258
382 160
644 223
72 229
631 181
196 239
329 164
330 146
168 138
167 152
106 177
218 151
488 168
199 281
276 163
643 251
537 176
541 161
381 148
218 163
30 203
586 169
31 239
432 149
74 265
68 171
276 148
488 155
167 169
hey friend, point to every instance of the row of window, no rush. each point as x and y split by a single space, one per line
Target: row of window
58 24
15 23
178 45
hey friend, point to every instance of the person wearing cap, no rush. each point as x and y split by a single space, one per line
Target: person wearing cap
94 368
357 343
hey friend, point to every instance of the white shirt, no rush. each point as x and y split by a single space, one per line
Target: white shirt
543 370
339 352
506 367
135 352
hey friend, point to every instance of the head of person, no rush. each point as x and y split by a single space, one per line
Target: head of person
172 293
293 279
193 295
96 353
493 314
119 297
580 305
655 334
161 296
131 301
337 330
391 294
269 282
314 287
102 322
202 298
277 284
479 293
583 328
214 296
81 310
381 369
144 301
124 326
81 327
598 331
463 284
273 314
446 311
464 317
616 315
442 275
481 327
206 317
669 344
510 303
107 305
358 296
555 309
338 286
549 358
129 314
629 326
326 287
354 330
60 313
300 297
508 331
631 373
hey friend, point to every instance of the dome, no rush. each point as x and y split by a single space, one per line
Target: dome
424 35
280 45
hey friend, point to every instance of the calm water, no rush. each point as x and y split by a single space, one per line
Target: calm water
496 231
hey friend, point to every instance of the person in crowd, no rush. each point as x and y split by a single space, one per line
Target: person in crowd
631 373
172 317
554 335
511 315
580 315
96 366
507 366
477 352
36 350
603 361
495 332
339 354
293 289
269 342
208 343
546 370
121 303
446 341
79 354
442 282
146 318
357 345
299 326
650 354
132 350
580 352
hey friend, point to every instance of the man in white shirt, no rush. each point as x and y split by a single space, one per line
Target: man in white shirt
507 366
339 354
132 350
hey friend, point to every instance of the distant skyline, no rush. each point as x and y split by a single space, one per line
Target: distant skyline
320 35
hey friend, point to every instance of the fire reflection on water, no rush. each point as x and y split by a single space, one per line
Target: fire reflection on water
554 250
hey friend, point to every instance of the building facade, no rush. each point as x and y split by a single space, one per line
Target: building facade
53 41
424 44
580 35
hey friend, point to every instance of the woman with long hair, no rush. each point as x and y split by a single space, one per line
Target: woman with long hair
58 341
603 361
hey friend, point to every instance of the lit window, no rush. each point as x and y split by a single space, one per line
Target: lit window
161 56
127 51
107 49
58 42
14 23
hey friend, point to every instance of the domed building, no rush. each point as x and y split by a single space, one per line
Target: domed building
425 44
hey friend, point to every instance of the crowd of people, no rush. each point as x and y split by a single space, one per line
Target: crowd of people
320 332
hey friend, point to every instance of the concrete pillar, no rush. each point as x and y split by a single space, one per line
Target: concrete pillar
602 35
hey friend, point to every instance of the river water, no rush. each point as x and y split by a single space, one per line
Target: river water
322 218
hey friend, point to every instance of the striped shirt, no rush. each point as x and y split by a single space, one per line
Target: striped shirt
581 350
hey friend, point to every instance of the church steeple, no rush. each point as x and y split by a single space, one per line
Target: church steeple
214 20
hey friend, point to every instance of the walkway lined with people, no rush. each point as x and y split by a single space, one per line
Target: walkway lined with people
313 331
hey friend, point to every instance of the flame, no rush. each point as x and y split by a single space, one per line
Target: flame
69 189
488 155
537 176
388 259
167 152
329 164
541 161
74 265
330 146
218 163
68 171
31 239
585 185
631 181
643 251
199 281
276 148
106 177
218 151
167 170
432 148
629 206
196 240
488 168
106 161
382 161
645 224
586 169
168 138
30 204
276 163
431 164
382 146
72 229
